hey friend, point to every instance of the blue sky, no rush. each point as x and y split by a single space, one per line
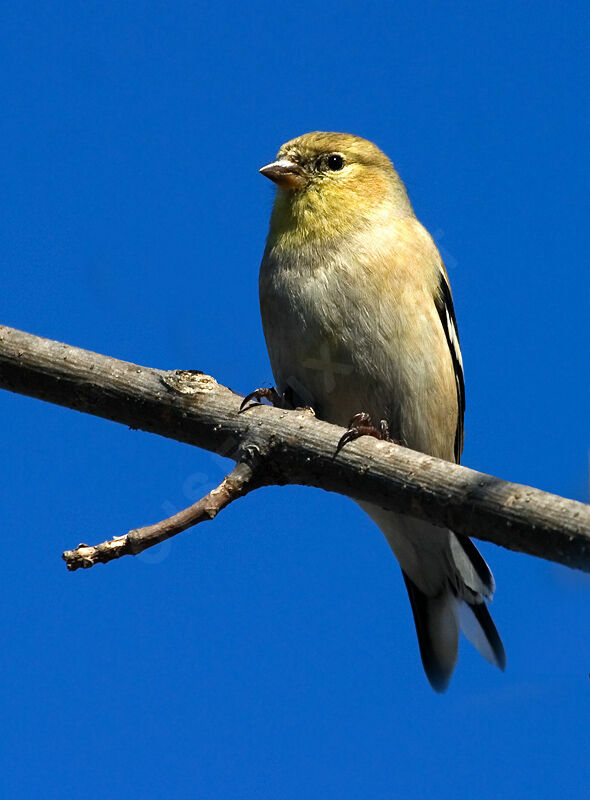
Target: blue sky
272 653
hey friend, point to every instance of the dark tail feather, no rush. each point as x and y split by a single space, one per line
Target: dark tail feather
479 628
472 568
477 585
438 633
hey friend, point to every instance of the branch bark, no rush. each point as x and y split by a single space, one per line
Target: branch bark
295 447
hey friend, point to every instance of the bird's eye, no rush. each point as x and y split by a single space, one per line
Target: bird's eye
335 162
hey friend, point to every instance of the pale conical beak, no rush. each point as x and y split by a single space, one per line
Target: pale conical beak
285 173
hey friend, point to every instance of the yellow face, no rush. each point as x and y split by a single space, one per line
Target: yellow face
330 182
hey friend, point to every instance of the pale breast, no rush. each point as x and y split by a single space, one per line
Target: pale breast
352 326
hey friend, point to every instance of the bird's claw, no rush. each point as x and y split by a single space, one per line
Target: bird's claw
362 425
270 394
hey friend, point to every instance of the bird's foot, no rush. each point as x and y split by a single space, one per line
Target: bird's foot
271 394
362 425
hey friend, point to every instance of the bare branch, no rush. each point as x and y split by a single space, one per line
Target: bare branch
297 448
240 481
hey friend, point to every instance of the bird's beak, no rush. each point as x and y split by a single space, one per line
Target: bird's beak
285 173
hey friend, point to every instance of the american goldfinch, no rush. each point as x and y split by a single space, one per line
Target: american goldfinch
359 322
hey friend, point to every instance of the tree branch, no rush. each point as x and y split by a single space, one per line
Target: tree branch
295 447
240 481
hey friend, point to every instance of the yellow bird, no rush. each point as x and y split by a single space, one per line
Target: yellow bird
359 322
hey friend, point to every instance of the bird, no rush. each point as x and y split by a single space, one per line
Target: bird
360 326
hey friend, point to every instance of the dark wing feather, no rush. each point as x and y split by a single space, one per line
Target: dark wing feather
446 312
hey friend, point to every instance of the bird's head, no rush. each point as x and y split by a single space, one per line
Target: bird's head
329 183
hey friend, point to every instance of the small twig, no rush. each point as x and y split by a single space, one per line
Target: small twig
241 480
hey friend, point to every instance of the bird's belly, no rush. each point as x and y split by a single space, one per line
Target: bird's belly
329 356
338 383
339 343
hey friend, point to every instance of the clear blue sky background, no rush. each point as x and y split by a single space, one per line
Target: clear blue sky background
271 654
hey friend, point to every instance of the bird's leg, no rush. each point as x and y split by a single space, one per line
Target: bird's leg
362 425
271 394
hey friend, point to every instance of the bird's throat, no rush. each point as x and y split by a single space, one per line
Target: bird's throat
304 217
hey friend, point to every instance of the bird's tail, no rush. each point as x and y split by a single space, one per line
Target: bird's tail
438 632
448 582
438 620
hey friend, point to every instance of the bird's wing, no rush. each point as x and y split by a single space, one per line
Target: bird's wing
446 312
